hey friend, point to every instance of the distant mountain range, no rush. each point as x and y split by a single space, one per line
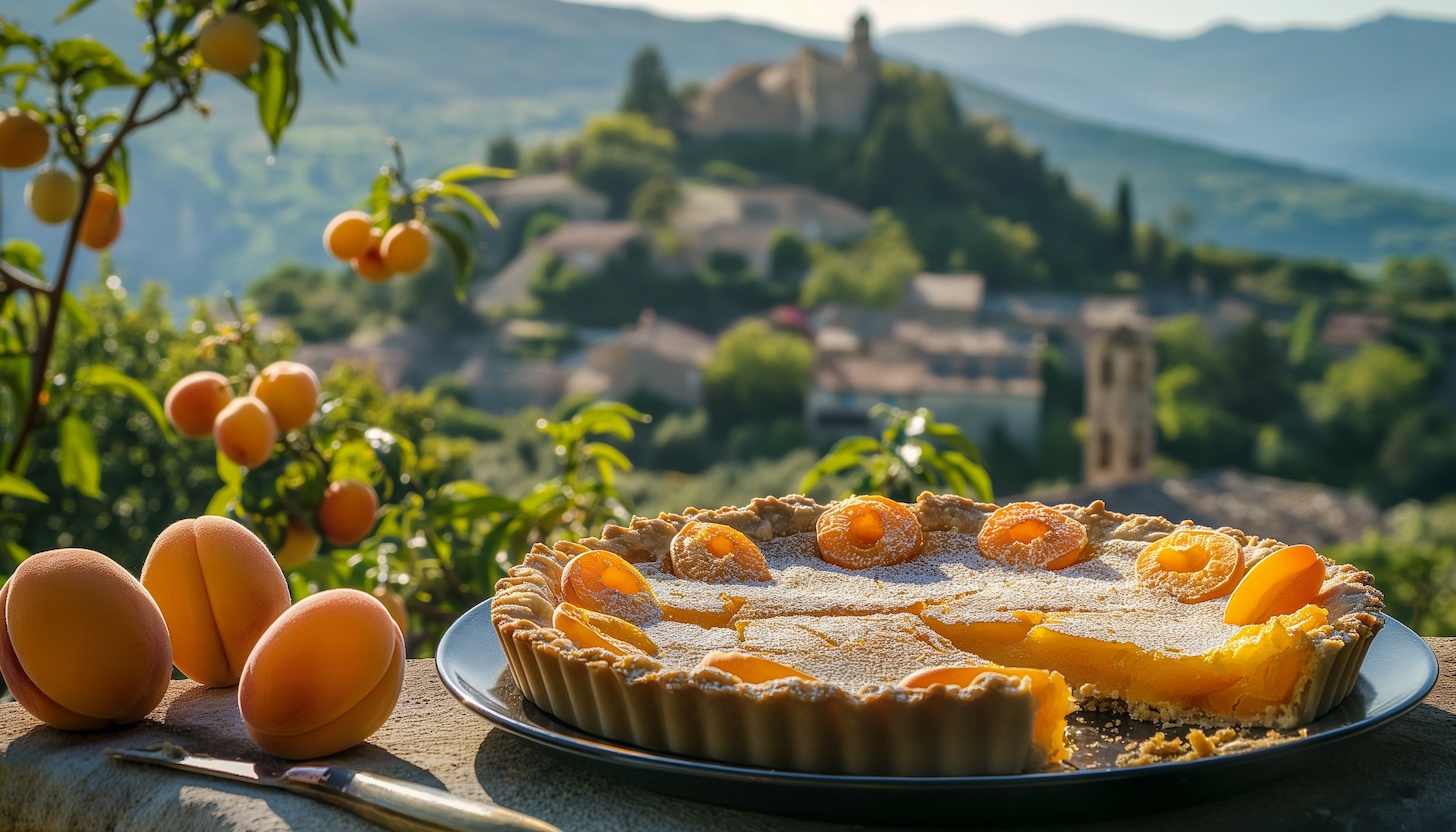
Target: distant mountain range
1372 101
212 210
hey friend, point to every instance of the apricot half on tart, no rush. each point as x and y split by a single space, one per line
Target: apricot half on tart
597 629
1192 565
715 554
1032 536
1281 583
863 532
603 582
751 669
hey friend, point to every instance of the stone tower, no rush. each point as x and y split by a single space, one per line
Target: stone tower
1119 400
860 54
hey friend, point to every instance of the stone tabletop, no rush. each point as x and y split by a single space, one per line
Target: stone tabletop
1400 777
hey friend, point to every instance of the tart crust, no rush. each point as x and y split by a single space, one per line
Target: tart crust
985 728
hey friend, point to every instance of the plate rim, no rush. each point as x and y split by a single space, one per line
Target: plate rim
603 748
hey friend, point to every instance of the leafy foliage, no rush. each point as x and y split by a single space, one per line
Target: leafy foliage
874 271
913 453
91 138
1414 564
756 375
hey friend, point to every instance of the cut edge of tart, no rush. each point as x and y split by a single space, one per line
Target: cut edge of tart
987 717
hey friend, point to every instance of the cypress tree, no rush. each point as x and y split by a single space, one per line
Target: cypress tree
1124 217
648 90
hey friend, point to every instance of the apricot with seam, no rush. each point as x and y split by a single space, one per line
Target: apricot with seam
82 644
219 589
324 677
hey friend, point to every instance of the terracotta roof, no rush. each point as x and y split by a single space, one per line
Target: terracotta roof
903 378
1352 329
538 185
962 292
669 339
1286 510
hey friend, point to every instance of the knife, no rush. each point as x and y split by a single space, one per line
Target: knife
393 804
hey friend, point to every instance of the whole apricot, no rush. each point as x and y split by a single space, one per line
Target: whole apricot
230 43
218 588
82 644
348 235
300 544
101 224
194 401
346 514
245 431
291 392
406 247
324 677
394 602
23 139
370 265
53 196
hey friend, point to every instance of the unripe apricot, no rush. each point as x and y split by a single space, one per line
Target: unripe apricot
245 431
101 224
194 401
406 247
300 544
324 677
82 644
348 235
230 43
53 196
394 602
346 513
23 139
370 265
218 588
291 392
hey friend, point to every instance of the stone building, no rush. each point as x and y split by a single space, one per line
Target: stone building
807 93
743 220
655 356
1119 401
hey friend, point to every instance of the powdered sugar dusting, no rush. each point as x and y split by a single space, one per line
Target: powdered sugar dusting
951 583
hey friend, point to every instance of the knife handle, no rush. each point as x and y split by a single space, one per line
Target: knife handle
403 806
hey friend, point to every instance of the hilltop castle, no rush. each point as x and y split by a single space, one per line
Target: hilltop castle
807 93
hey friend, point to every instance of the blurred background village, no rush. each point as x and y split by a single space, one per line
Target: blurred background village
1205 276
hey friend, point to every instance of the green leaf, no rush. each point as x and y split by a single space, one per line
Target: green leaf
467 196
379 196
459 252
118 174
221 502
15 485
603 451
16 552
24 255
77 314
229 472
474 171
73 10
90 64
275 82
80 463
104 377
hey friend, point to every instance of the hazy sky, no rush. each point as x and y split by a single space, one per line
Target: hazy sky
1166 17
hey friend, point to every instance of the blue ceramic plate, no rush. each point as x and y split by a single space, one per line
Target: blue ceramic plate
1398 671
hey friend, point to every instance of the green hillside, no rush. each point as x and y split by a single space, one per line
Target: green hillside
1238 200
212 210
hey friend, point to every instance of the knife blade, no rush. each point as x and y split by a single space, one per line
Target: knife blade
393 804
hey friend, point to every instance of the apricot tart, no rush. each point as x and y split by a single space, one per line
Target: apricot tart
947 637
